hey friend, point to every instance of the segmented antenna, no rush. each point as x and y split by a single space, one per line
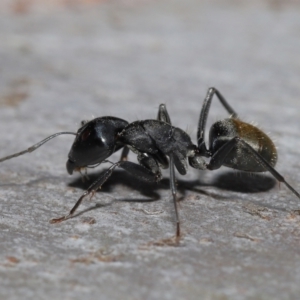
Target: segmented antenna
35 146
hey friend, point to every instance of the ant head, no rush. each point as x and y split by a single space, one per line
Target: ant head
95 141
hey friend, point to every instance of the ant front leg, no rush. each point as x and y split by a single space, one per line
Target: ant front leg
139 171
90 191
203 118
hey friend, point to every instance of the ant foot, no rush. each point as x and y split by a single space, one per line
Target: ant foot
58 220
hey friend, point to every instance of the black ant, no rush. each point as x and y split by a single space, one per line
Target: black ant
158 144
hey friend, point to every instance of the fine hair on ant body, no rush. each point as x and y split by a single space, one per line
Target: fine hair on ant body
157 144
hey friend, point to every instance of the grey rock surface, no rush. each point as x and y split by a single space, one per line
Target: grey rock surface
241 237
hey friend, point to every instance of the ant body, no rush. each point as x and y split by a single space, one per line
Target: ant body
158 144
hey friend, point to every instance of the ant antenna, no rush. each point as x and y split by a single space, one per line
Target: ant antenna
35 146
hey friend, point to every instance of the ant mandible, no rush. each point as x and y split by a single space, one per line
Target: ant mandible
158 144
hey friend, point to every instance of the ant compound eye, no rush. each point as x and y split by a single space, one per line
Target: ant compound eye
85 135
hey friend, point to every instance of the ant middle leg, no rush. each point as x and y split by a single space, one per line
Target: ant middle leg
174 193
163 114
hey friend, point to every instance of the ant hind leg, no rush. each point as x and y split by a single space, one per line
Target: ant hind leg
204 114
219 157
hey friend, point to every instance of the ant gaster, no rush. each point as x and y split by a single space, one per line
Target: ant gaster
158 144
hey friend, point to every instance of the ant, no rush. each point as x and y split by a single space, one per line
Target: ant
157 144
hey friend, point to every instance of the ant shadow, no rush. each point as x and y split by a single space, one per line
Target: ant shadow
231 181
244 182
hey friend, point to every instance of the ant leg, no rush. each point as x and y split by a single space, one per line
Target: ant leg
203 118
155 175
173 189
137 170
163 114
219 157
91 190
147 170
124 154
268 167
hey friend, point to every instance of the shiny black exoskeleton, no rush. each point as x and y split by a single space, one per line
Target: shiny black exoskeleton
158 144
94 142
